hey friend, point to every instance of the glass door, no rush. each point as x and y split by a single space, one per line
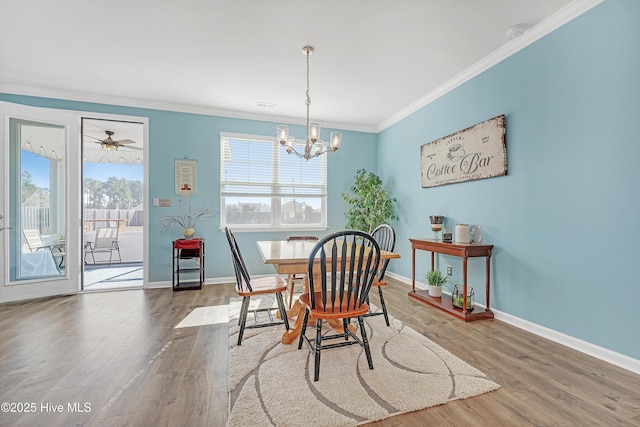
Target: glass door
40 210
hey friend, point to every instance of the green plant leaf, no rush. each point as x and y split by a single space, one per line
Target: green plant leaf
370 203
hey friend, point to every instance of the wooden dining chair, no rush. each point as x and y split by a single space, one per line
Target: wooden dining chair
293 278
385 236
351 258
246 287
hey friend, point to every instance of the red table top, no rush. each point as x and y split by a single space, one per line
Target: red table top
187 243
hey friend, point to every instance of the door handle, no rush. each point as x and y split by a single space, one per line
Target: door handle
5 228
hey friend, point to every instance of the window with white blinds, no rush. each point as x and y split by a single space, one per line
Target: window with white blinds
263 187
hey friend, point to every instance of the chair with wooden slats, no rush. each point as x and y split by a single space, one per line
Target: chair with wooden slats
293 278
385 236
246 287
342 268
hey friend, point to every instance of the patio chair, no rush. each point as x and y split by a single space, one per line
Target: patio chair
106 241
246 287
293 278
385 236
34 241
351 258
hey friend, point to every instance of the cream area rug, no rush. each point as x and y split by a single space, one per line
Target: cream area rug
271 384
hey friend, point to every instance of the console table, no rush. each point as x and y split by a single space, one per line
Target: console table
188 260
464 251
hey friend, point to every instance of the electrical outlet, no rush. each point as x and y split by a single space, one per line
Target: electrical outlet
449 270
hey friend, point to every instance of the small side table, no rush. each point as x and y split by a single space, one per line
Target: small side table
188 259
464 251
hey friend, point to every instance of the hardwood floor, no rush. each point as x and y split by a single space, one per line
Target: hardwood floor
119 353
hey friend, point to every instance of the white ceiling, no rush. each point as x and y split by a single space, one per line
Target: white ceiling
374 62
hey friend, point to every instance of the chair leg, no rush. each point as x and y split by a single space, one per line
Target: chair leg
290 289
316 370
283 311
243 317
384 307
304 328
365 342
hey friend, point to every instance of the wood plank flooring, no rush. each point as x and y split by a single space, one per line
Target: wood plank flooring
119 353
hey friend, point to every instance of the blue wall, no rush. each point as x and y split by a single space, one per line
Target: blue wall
564 219
174 135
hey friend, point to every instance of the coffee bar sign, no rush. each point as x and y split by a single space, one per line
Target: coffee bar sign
477 152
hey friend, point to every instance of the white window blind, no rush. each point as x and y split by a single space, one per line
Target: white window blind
264 187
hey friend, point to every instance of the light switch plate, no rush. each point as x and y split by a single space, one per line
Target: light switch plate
164 203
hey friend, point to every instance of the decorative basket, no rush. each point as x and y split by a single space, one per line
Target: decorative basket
457 298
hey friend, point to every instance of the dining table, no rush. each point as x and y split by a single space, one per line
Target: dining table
292 257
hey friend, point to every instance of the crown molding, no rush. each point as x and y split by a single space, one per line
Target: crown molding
553 22
170 106
558 19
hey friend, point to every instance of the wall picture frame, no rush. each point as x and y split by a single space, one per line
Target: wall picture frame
477 152
186 177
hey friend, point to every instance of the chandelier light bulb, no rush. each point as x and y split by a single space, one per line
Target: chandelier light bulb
335 140
314 132
283 134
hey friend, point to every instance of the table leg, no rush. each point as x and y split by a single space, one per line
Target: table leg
294 331
413 268
488 272
464 285
297 311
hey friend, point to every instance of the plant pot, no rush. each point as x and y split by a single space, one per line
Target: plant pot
189 232
435 291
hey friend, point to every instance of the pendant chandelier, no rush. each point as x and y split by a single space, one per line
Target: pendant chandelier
314 146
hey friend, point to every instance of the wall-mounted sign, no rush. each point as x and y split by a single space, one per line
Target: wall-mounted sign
477 152
186 177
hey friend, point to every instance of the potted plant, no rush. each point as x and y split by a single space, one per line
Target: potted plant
457 298
187 217
370 203
436 279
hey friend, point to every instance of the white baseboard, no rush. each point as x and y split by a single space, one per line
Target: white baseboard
585 347
209 281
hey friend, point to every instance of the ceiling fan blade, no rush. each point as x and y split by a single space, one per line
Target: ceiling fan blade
129 147
124 141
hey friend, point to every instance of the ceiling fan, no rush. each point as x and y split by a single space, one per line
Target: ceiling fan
112 144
